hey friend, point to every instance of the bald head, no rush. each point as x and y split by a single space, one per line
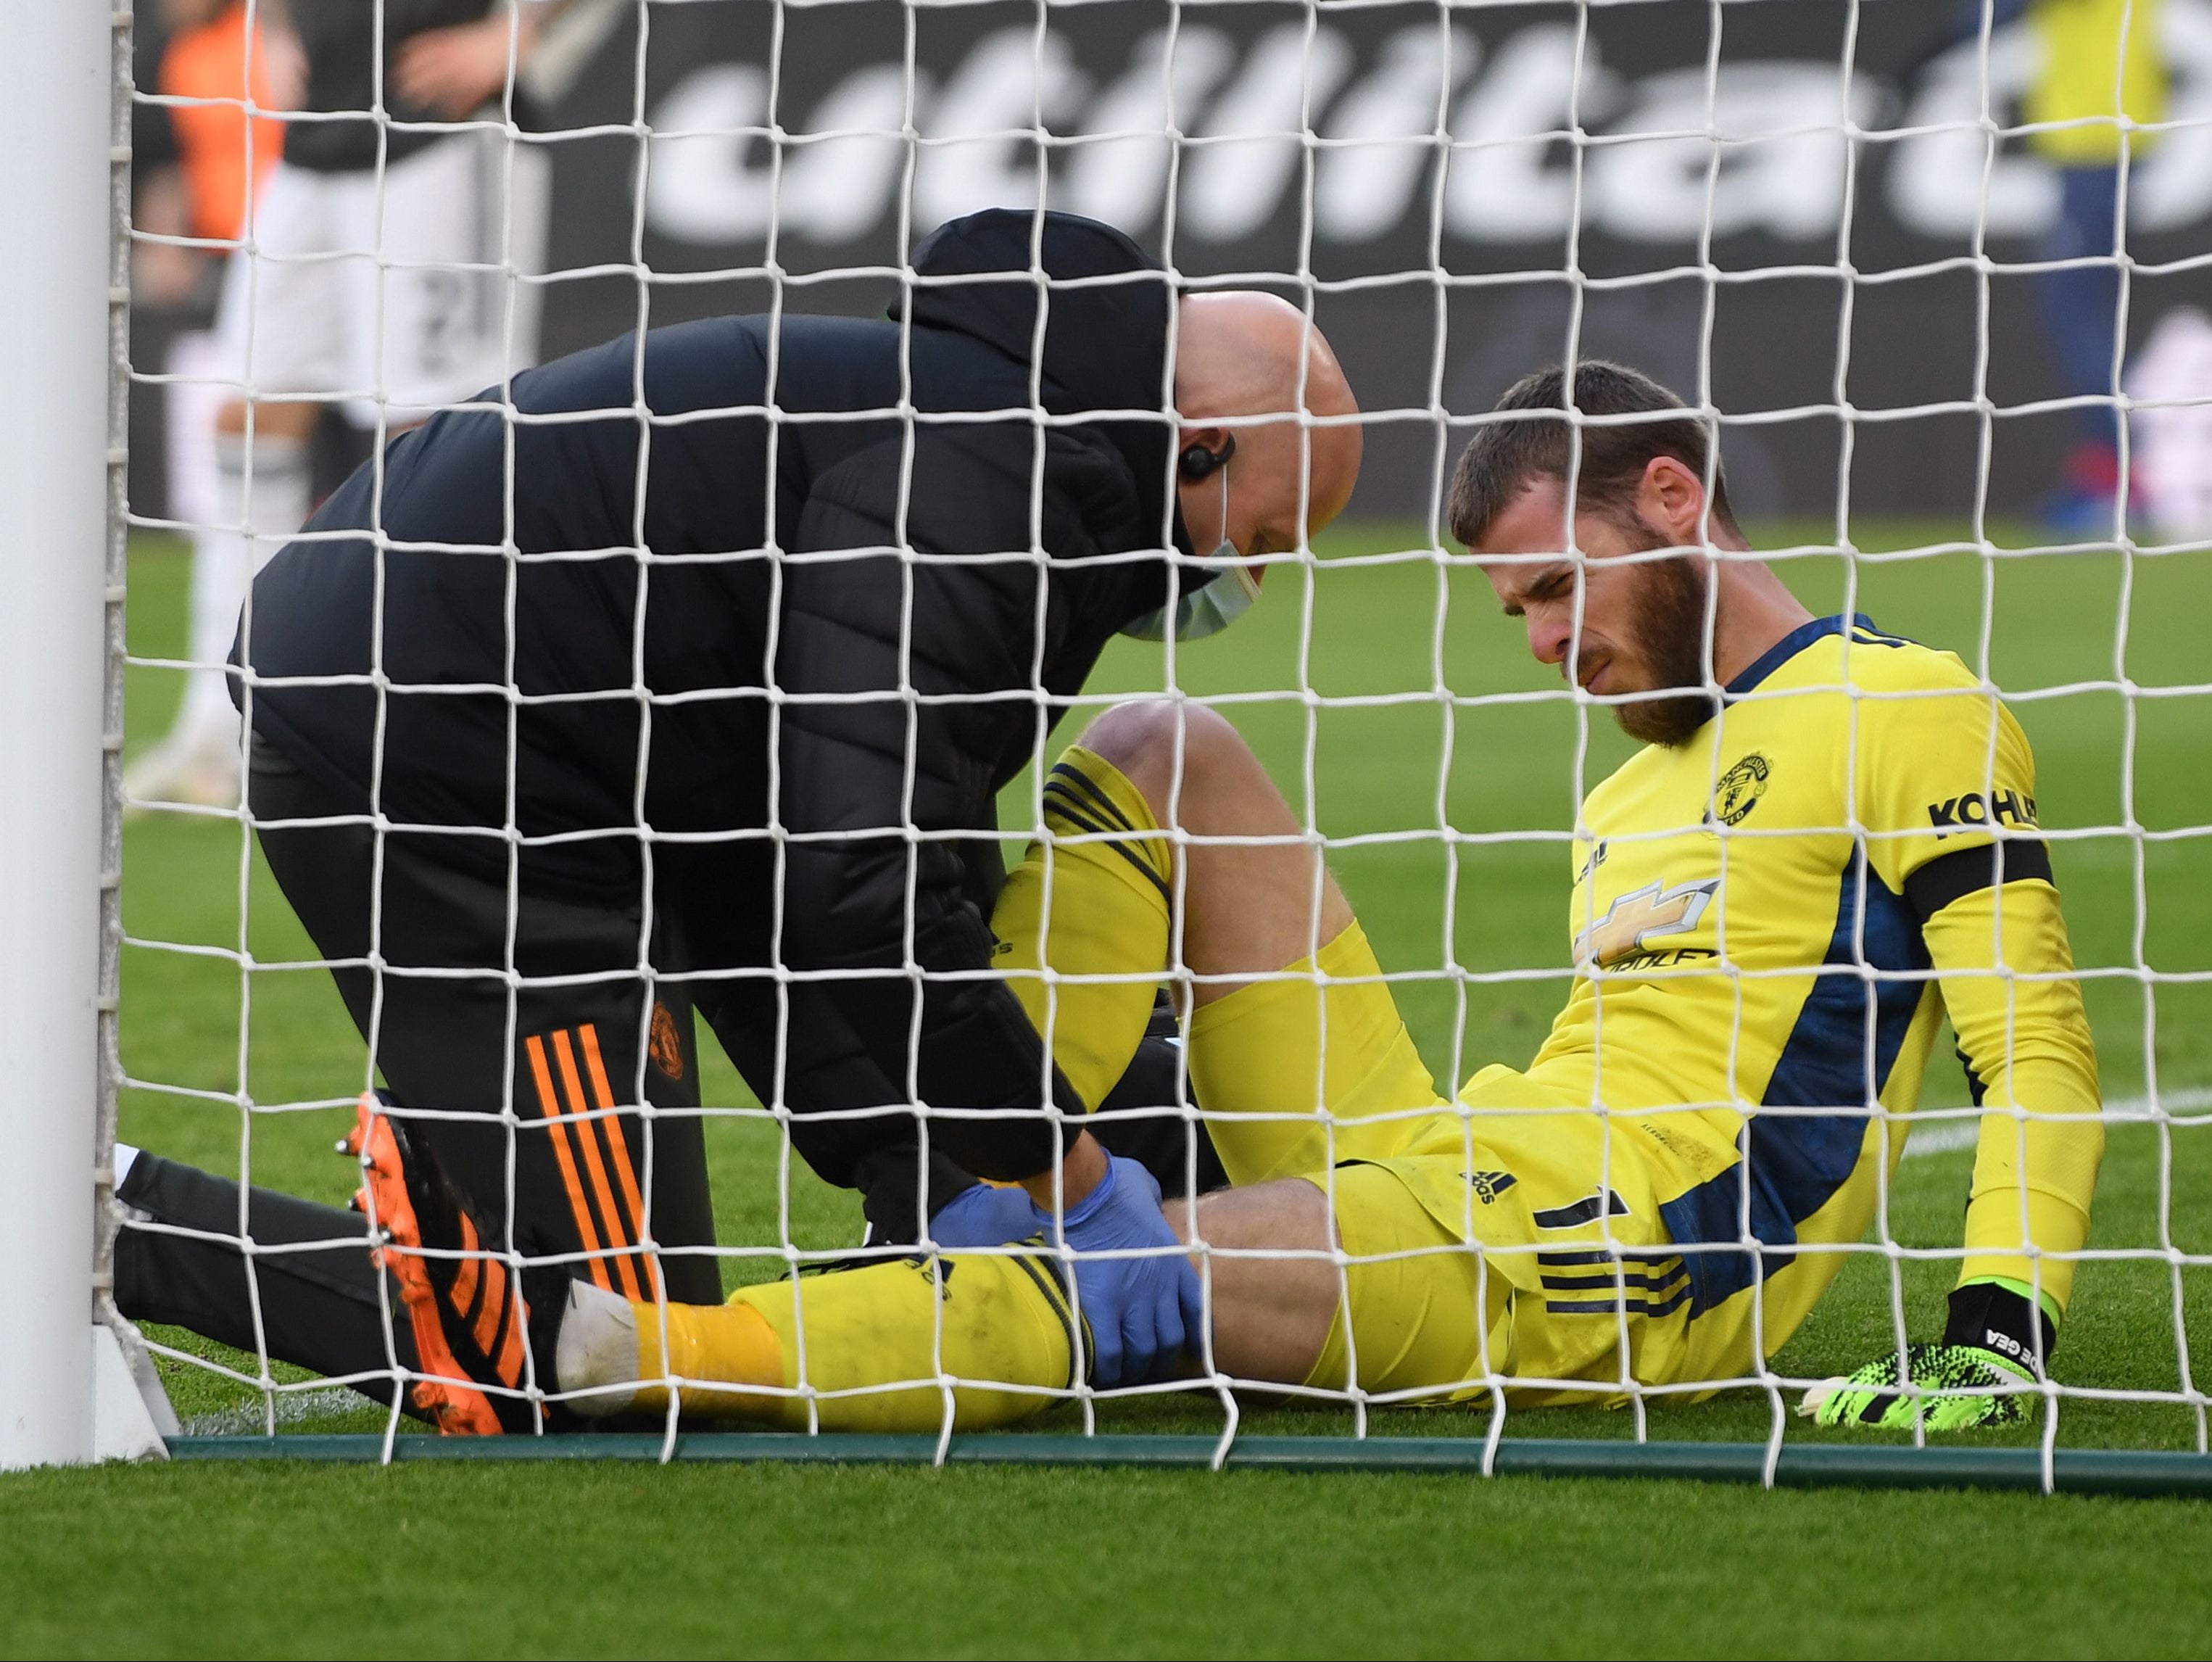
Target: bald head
1241 354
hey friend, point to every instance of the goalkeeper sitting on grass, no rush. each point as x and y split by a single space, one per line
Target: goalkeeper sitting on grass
1828 841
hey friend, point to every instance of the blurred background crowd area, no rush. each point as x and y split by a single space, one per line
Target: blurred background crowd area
1863 267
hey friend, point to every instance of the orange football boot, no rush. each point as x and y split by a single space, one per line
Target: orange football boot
463 1300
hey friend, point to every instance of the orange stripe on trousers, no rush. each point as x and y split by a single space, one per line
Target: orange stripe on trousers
465 1283
617 1234
549 1105
625 1173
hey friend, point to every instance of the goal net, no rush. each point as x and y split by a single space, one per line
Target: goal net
506 831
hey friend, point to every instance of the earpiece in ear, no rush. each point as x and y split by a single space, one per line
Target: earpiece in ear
1197 462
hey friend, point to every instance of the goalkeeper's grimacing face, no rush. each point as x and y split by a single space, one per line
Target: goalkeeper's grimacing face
1630 631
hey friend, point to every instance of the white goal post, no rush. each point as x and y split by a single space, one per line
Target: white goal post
58 476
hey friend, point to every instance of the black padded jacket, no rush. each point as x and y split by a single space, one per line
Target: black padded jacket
921 595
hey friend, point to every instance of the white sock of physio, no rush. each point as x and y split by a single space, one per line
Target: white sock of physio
598 1346
126 1157
274 497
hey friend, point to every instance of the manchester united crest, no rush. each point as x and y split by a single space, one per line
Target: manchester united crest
667 1046
1740 790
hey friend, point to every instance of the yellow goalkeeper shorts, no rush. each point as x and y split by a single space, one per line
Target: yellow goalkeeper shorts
1509 1235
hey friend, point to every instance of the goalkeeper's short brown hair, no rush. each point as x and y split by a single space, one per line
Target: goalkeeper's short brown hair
1504 457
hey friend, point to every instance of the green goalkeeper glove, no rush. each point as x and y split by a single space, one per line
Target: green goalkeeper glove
1985 1372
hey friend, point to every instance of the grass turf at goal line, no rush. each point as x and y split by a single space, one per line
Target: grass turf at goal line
2073 1471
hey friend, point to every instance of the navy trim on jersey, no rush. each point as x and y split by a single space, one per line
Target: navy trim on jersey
1604 1281
1616 1281
1797 1161
1800 637
1589 1209
1652 1308
1604 1255
1824 1064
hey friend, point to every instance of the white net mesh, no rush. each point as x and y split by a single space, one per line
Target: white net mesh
1930 281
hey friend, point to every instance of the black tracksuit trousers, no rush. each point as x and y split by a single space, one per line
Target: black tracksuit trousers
576 1172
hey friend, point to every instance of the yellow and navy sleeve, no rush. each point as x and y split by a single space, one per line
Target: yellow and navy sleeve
1948 799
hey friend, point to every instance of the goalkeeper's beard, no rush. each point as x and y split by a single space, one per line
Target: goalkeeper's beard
1668 625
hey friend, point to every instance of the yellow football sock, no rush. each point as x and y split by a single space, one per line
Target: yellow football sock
990 1317
1092 908
732 1342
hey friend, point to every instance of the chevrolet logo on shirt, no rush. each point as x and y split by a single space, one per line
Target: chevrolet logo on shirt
1645 915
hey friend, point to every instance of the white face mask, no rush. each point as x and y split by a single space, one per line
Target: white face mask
1209 610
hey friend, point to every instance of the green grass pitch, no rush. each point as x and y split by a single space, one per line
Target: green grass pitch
555 1558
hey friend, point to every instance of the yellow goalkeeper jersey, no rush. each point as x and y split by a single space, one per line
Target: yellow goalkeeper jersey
1769 923
2080 78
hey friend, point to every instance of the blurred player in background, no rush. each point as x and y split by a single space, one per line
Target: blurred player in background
2103 63
1827 844
2099 63
381 275
229 75
205 155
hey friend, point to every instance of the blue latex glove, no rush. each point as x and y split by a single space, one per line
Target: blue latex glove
984 1216
1139 1310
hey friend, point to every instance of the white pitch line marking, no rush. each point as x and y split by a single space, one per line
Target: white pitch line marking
292 1407
1947 1136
